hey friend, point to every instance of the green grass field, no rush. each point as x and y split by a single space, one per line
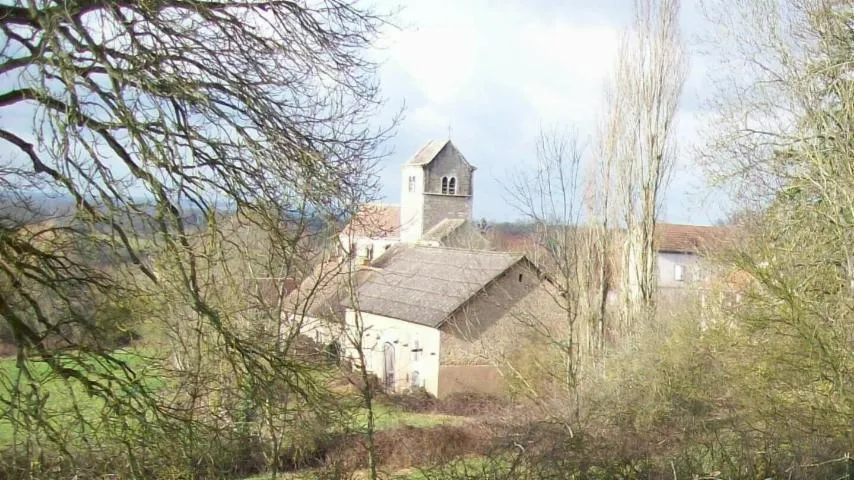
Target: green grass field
73 414
386 418
67 406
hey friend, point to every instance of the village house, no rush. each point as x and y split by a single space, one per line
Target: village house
418 290
682 258
439 318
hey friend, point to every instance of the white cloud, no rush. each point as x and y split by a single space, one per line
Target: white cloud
428 118
440 60
454 46
587 52
496 70
566 68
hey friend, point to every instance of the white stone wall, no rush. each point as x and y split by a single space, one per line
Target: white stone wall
379 330
411 204
322 331
667 265
364 244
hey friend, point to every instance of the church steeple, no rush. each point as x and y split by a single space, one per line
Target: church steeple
437 183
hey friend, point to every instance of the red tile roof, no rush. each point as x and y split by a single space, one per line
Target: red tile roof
689 238
375 221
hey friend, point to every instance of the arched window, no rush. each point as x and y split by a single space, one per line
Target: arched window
452 186
388 364
444 185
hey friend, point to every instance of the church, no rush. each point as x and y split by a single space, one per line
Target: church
435 207
417 289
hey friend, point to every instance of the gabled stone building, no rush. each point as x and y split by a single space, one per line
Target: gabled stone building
434 305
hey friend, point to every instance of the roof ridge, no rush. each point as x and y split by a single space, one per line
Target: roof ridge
437 145
449 276
466 300
462 249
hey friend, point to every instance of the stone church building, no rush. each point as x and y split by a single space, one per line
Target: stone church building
437 185
418 287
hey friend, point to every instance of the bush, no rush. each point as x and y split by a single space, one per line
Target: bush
409 447
460 404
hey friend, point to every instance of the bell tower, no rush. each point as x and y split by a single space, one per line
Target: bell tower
437 183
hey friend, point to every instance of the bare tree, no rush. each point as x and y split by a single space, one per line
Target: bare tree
755 104
600 209
783 143
552 198
648 82
154 118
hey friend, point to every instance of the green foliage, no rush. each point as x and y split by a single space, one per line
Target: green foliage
763 386
196 167
64 405
697 400
389 417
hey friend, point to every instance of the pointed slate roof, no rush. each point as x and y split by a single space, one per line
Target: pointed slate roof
427 152
425 285
430 151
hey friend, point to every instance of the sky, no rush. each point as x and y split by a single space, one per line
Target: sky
489 74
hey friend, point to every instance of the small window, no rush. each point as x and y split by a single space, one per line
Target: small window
679 273
452 186
444 185
520 278
412 184
416 350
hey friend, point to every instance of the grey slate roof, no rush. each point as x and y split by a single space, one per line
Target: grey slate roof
428 152
431 150
442 229
425 285
322 292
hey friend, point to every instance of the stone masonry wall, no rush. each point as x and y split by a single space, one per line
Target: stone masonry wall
490 327
449 163
484 379
440 207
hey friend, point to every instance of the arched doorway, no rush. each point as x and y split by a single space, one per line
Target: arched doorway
388 366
